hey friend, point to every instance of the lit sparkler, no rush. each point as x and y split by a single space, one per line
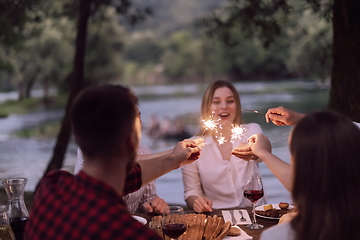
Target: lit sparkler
213 125
237 132
209 124
246 110
221 139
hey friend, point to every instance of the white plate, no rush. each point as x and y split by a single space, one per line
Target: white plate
140 219
275 206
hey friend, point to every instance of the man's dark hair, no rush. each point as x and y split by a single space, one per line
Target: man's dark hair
102 117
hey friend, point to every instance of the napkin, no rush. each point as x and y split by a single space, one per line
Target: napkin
227 216
243 236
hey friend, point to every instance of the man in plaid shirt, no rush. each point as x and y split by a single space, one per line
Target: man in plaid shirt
89 205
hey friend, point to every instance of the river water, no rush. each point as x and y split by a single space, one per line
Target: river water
28 157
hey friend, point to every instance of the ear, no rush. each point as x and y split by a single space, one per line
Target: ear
132 142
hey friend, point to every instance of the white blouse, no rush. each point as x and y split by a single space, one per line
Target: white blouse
222 181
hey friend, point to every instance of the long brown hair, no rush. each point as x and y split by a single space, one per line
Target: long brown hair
325 148
207 100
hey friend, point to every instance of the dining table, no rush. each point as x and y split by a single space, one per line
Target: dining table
254 233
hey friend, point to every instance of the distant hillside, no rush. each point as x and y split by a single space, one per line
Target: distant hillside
172 15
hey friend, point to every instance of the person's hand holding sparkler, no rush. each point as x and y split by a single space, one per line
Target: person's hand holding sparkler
244 152
260 144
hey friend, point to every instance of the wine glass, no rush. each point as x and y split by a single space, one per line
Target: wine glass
253 191
174 222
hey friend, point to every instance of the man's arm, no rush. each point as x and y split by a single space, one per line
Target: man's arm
156 165
281 116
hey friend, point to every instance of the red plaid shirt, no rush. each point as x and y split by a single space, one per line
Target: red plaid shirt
78 207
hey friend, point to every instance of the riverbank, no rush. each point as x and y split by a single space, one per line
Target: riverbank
28 198
28 105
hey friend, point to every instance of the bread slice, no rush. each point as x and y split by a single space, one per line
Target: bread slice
201 221
234 231
218 222
224 231
209 223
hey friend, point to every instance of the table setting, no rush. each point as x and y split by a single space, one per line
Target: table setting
239 218
228 224
245 233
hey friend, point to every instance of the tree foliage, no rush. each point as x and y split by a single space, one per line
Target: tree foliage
119 53
86 9
264 19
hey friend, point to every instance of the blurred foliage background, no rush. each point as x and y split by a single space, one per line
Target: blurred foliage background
166 48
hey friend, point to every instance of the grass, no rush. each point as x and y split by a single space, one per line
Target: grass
48 130
31 105
28 198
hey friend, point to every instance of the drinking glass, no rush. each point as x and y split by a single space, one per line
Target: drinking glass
6 232
254 191
174 222
18 212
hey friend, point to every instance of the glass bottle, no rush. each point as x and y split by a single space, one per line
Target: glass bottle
18 212
6 232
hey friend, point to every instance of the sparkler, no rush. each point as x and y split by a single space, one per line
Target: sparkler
221 139
209 124
246 110
237 132
212 125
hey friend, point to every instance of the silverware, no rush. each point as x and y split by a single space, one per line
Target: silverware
242 217
233 220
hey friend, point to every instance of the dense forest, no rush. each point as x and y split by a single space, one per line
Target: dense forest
166 47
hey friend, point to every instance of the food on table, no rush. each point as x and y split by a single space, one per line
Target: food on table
268 207
283 205
198 227
234 231
275 213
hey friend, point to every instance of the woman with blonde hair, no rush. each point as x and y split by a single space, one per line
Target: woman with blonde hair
216 179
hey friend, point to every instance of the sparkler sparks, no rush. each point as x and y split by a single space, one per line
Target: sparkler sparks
237 132
214 125
221 139
209 124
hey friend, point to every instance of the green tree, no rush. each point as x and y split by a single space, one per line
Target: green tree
103 60
86 9
265 19
310 44
44 59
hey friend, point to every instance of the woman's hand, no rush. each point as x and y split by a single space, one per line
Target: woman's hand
259 144
281 116
202 204
244 152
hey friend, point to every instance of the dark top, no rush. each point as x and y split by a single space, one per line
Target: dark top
79 207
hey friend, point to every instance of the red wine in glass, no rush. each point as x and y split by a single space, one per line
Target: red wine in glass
174 222
18 226
253 195
174 230
253 191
